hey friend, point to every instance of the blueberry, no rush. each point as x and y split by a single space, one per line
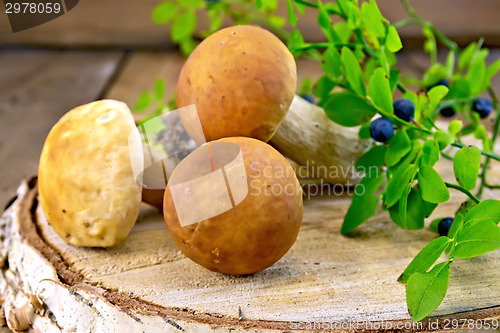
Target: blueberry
448 112
404 109
381 129
445 225
482 106
308 98
441 82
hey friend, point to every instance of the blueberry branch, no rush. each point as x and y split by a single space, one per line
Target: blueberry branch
325 45
403 23
463 190
314 5
485 153
442 38
484 182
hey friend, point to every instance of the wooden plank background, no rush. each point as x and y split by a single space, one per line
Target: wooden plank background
36 89
128 24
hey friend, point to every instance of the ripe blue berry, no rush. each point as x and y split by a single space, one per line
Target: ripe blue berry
441 82
308 98
448 112
482 106
404 109
445 225
381 129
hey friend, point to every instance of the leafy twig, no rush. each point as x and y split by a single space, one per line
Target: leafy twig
485 153
442 38
484 182
463 190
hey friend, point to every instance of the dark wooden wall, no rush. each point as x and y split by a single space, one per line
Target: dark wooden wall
128 24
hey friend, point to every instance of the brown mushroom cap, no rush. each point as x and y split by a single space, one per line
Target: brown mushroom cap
87 188
251 231
242 80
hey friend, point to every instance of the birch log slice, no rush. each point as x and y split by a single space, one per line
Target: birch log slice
146 285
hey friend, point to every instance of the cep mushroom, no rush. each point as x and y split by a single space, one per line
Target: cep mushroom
86 183
242 80
234 205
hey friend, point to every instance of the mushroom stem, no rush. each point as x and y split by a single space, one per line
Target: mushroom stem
153 197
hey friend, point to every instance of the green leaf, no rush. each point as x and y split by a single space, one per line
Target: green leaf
410 158
353 15
295 41
382 60
369 68
292 18
300 7
343 31
191 3
183 26
425 291
187 45
269 5
371 161
435 95
380 90
434 74
372 18
276 21
331 63
475 239
443 139
454 127
323 87
425 258
258 4
398 147
459 89
476 76
466 56
433 187
348 109
143 101
393 42
403 206
306 86
416 148
353 71
364 131
492 70
450 63
430 153
216 16
430 41
486 211
459 219
394 78
466 165
164 12
412 210
364 204
324 20
159 89
480 132
398 183
153 126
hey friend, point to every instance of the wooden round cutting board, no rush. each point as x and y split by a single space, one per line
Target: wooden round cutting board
145 284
